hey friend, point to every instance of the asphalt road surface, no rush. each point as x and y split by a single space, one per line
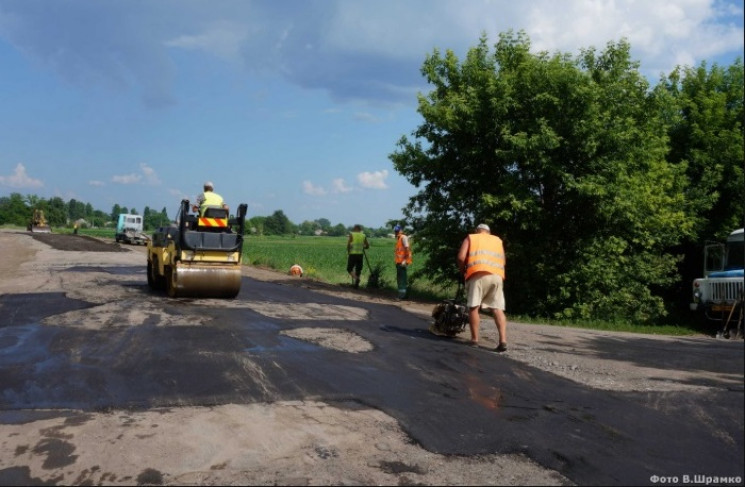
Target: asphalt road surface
103 343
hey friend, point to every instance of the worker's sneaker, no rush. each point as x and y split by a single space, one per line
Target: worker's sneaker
502 347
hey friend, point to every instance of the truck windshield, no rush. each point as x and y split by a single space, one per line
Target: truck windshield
735 256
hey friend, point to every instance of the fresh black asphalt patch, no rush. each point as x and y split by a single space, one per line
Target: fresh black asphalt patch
451 399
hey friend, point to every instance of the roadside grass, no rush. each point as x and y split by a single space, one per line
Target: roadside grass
325 259
666 330
91 232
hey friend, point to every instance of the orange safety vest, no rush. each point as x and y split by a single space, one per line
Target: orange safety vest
401 253
485 254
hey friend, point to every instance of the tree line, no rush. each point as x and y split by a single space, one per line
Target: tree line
603 187
17 209
278 224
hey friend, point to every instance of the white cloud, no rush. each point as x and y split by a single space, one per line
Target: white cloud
222 38
19 179
96 183
373 180
363 50
311 189
662 34
366 117
150 176
127 178
340 186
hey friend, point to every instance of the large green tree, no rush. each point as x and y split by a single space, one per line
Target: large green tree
565 158
706 137
56 212
76 210
115 211
152 219
13 210
278 224
704 109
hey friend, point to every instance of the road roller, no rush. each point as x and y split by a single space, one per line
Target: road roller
198 255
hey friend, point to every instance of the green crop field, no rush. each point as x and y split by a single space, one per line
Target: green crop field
325 259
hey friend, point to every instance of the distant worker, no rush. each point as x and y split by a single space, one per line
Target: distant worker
482 261
402 254
208 199
356 245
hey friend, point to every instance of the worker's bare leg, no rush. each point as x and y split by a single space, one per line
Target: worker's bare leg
501 320
473 323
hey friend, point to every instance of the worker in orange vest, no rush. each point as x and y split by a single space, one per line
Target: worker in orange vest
402 253
481 260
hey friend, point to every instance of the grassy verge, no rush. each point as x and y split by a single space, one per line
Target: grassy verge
666 330
325 259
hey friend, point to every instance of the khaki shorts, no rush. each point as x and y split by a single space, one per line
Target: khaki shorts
486 291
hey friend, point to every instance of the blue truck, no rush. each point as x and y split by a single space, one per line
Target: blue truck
129 230
720 291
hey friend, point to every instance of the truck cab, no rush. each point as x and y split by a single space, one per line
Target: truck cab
721 288
129 229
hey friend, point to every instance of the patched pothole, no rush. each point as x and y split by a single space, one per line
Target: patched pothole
333 338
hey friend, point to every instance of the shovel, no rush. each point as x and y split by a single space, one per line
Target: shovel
373 280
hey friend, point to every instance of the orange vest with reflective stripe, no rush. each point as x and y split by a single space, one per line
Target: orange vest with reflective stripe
485 254
401 254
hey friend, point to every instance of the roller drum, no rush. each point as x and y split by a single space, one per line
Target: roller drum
202 280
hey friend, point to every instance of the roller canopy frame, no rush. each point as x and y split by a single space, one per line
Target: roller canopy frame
211 239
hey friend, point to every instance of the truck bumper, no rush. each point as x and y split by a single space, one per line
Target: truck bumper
722 308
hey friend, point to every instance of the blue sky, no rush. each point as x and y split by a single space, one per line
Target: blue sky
284 104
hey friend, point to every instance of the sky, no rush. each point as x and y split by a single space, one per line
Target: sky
292 105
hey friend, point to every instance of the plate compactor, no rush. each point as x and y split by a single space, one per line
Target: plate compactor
450 316
200 256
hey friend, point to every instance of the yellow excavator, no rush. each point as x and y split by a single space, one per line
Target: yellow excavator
38 223
200 256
